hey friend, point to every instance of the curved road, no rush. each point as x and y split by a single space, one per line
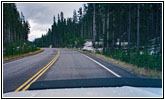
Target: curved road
70 65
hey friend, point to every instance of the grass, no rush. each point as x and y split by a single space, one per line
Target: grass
7 58
142 71
14 50
141 60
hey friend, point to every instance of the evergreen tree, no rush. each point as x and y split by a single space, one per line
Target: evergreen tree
15 27
115 24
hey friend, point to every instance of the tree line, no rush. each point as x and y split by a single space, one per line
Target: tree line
63 33
15 27
138 24
15 32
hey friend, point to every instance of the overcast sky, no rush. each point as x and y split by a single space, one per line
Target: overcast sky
40 15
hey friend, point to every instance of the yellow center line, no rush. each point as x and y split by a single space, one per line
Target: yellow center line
38 73
31 78
38 76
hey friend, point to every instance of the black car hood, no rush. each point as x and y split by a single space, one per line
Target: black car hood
96 82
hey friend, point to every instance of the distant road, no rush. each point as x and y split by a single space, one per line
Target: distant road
70 65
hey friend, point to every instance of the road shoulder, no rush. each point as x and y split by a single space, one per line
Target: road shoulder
138 71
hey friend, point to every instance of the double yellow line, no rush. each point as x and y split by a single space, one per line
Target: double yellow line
27 84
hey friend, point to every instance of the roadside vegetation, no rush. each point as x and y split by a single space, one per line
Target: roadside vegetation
144 71
138 59
15 34
130 33
18 49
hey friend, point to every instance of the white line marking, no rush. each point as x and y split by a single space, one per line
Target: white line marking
102 66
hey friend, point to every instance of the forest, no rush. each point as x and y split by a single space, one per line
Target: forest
139 25
15 32
129 32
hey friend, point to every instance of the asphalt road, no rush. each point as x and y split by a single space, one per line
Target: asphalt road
18 71
70 65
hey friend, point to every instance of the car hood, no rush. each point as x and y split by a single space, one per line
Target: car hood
95 87
124 91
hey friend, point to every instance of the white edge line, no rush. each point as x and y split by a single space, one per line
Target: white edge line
102 66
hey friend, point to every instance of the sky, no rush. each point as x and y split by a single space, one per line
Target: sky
40 15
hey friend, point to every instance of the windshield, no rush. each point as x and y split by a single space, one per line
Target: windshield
57 45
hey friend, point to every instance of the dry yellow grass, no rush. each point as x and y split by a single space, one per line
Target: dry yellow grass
23 55
139 71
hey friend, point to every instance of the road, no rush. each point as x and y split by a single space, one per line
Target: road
69 65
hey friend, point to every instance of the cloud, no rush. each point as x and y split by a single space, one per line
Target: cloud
37 29
40 15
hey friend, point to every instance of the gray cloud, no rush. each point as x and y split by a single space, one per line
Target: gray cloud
41 15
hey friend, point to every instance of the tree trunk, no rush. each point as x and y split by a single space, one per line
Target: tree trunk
81 30
160 29
129 26
157 24
108 28
120 37
103 27
84 29
113 32
9 38
94 25
148 30
152 25
89 32
138 23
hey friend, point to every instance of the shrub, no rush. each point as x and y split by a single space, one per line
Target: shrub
15 48
135 58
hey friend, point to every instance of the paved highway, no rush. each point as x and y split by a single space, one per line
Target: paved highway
68 65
